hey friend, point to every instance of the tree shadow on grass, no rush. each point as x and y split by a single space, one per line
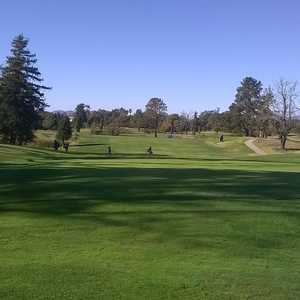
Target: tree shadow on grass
35 154
103 155
73 190
186 206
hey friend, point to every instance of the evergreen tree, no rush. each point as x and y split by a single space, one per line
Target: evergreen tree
247 102
64 130
21 96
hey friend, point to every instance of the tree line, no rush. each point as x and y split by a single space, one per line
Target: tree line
256 111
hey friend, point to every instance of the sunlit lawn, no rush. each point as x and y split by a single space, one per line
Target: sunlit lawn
198 220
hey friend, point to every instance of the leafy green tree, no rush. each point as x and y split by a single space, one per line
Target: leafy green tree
155 112
184 123
138 119
173 120
97 120
265 116
210 120
21 96
49 120
120 117
81 116
215 121
94 122
204 120
64 130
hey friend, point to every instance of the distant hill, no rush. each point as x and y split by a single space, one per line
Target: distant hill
68 113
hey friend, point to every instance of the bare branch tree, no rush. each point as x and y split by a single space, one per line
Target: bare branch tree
285 107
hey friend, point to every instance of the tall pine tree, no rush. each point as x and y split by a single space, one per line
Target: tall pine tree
247 102
21 96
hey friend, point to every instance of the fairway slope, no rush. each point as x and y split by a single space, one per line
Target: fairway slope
194 221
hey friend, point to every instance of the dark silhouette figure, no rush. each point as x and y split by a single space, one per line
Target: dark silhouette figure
109 150
66 146
222 138
149 150
56 145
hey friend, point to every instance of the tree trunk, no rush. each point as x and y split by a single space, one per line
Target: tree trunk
12 139
156 126
249 132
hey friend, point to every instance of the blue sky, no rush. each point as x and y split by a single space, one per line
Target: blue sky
191 53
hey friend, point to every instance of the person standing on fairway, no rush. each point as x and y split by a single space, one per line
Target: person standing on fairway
66 146
150 152
109 150
55 145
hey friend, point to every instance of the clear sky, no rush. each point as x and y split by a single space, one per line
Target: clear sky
191 53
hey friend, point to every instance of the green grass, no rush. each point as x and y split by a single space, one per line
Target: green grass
198 220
